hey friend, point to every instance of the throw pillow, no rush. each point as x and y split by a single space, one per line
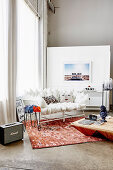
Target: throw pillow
66 98
50 99
41 102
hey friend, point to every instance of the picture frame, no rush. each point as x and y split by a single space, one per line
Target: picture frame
77 71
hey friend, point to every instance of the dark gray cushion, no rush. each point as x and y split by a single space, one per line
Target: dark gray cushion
50 99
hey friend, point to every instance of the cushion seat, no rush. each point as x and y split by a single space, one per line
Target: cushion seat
59 107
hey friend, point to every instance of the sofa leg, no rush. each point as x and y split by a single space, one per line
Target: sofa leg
63 116
83 113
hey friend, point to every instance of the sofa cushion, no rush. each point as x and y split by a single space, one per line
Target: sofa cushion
39 101
49 92
30 102
50 99
55 107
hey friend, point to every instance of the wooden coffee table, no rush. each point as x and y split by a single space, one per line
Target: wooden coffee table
105 129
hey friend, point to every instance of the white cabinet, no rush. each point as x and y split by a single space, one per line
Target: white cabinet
95 100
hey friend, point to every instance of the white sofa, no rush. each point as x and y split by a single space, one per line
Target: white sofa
66 100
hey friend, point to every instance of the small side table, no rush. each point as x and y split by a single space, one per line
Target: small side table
37 119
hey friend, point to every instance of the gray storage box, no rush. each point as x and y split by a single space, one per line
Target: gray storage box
11 132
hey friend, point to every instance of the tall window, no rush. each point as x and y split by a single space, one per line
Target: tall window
27 48
7 62
19 58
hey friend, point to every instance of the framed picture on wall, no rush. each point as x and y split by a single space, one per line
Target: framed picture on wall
77 71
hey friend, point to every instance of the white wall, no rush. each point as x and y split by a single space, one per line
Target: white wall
42 42
81 22
100 65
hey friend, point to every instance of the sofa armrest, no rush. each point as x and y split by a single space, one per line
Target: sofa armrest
81 98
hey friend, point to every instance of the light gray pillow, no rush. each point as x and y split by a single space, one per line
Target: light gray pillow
66 97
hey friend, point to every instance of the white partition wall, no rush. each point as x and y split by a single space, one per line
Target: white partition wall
97 56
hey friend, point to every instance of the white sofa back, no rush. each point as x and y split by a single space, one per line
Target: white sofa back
61 95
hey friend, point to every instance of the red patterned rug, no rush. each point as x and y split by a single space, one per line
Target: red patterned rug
57 133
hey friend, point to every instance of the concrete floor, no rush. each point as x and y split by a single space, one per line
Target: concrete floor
87 156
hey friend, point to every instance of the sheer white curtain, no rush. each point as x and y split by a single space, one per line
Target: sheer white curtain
7 62
27 49
19 55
